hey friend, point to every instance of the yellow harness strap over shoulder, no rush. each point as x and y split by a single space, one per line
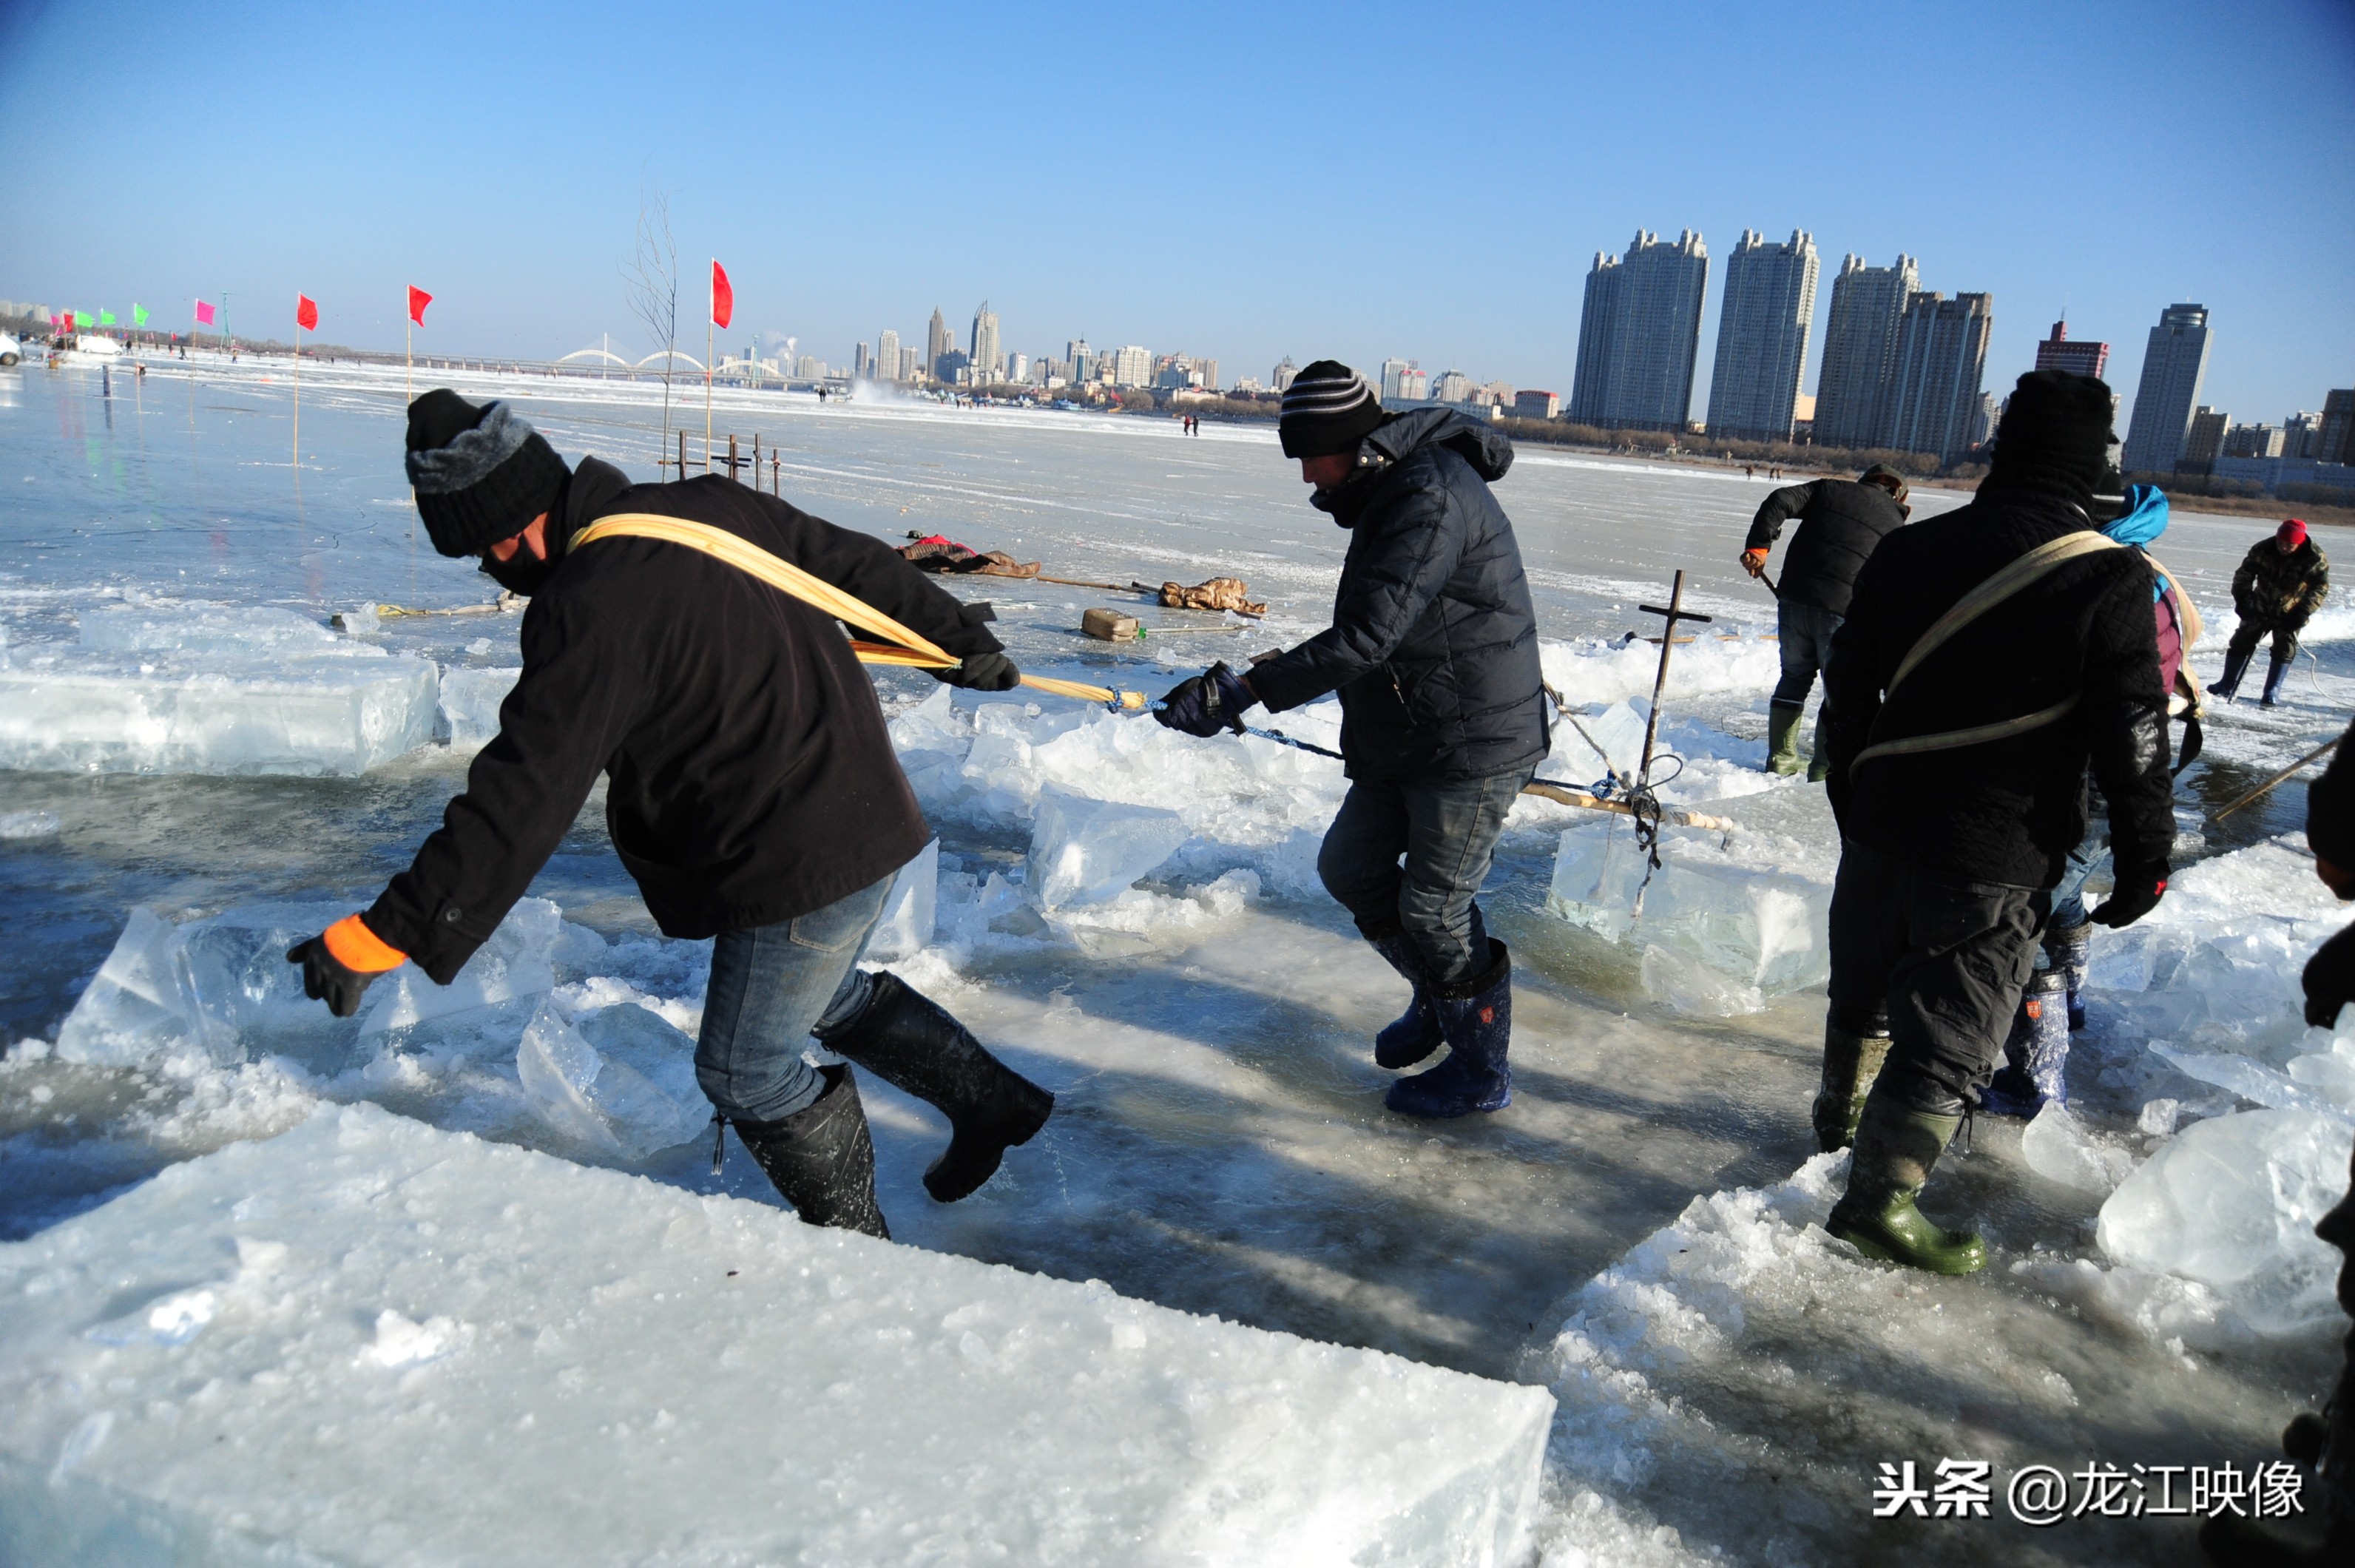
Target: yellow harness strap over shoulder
905 647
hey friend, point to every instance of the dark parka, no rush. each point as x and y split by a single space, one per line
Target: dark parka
749 775
2010 810
1433 645
2272 589
1841 522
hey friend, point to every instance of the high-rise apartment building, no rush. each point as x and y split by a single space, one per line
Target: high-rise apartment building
1638 334
1530 403
1130 366
2173 365
2337 441
2253 440
887 355
1285 370
984 351
1452 387
2302 434
861 363
1394 373
2203 439
937 340
1852 403
1941 358
2083 358
911 364
1762 336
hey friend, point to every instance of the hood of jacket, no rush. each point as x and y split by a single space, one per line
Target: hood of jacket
1477 443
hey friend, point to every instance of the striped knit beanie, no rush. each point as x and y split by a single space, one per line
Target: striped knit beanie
1328 409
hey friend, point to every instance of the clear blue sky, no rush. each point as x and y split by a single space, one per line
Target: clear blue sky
1244 181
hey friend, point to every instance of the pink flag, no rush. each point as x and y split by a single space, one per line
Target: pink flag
204 314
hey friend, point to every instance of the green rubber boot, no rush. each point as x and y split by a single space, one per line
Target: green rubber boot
1783 736
1820 767
1851 1061
1895 1148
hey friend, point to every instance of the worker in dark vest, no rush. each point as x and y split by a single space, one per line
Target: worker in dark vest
753 792
1988 657
1841 521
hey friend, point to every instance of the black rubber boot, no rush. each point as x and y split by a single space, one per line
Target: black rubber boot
2036 1055
822 1158
1476 1015
1896 1147
1783 736
2070 950
1851 1061
2236 664
1416 1033
913 1044
2274 674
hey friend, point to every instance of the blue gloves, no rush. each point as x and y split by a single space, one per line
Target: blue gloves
1212 702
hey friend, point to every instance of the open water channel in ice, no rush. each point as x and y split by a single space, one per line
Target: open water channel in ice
1640 1231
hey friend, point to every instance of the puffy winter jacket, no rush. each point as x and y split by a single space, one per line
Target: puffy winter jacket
2276 590
1433 645
1841 522
751 777
2009 810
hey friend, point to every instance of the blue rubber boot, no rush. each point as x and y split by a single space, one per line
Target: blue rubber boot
2071 950
2037 1055
1475 1016
1415 1034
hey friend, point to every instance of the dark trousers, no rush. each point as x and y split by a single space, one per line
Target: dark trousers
1447 830
1945 961
2248 634
1805 633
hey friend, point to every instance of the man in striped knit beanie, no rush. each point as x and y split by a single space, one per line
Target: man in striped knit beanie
1434 650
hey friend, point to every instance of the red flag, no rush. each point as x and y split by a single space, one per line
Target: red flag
723 298
306 313
204 314
418 299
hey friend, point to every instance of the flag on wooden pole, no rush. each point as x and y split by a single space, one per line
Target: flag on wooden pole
306 316
106 318
306 313
138 314
204 314
723 298
418 299
723 309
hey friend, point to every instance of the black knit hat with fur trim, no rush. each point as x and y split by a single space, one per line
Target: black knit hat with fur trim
1328 409
481 473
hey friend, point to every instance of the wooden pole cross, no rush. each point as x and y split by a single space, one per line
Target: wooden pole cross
1674 613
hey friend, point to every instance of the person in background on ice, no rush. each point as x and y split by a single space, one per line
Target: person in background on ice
1434 650
2282 583
1959 745
2325 1444
1840 523
752 792
2036 1056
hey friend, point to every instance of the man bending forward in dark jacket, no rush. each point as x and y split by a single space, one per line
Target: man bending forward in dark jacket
1958 777
753 794
1434 649
1841 521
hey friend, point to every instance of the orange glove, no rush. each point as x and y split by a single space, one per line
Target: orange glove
338 963
1754 561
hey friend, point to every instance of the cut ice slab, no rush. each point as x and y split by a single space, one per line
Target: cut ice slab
1727 920
371 1341
911 909
2231 1203
470 703
620 1083
1087 851
221 985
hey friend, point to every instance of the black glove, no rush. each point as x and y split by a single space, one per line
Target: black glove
1212 702
2137 894
982 672
326 980
2330 979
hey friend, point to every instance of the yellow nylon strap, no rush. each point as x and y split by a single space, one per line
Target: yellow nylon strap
907 647
1947 740
2019 574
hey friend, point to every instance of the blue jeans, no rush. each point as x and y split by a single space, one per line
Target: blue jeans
2069 896
1447 829
1806 637
771 987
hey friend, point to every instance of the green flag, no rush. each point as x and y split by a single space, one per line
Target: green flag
138 314
106 318
82 318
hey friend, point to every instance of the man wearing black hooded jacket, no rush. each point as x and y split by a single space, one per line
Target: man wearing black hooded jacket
753 792
1434 651
1988 658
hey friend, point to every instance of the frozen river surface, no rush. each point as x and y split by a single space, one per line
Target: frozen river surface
1640 1232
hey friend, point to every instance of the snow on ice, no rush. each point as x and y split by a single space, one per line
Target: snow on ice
321 1346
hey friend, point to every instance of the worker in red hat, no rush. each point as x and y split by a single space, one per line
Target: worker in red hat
2282 583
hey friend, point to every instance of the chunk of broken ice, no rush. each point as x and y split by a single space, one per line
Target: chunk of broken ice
909 909
470 703
2061 1148
469 1351
620 1083
1086 851
2231 1203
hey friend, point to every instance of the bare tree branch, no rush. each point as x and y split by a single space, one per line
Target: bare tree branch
651 275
